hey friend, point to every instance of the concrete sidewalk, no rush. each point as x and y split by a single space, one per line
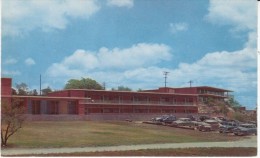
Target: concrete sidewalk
252 142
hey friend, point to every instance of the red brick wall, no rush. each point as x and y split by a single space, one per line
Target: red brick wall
192 90
64 93
6 86
77 93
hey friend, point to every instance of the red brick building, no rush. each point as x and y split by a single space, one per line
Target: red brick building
104 104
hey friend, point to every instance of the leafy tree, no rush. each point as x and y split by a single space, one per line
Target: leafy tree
12 117
33 92
84 83
122 88
139 90
234 103
47 90
14 92
22 89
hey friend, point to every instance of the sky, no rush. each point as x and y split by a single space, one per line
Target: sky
131 43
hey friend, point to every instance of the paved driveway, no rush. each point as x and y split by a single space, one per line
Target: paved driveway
250 142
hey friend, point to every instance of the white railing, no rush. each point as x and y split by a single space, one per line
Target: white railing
216 93
121 102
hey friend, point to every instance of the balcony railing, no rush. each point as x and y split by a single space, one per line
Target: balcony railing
129 102
216 94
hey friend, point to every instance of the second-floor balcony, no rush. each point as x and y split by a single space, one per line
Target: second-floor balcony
215 93
131 102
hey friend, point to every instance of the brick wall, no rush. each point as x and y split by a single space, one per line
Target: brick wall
6 86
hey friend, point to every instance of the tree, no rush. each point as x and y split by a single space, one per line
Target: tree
122 88
47 90
84 83
33 92
14 92
234 103
22 89
12 117
139 90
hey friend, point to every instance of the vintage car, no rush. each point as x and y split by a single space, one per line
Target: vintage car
245 129
203 117
159 118
191 117
208 125
169 119
227 127
183 122
219 119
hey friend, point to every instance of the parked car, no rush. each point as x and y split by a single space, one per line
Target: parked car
222 119
183 122
202 118
208 125
253 122
191 117
169 119
160 118
204 126
219 119
227 127
245 129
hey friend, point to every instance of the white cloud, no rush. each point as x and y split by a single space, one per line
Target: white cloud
10 61
121 3
29 62
18 16
81 61
240 14
138 55
177 27
10 73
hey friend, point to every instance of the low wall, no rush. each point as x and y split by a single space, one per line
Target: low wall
125 116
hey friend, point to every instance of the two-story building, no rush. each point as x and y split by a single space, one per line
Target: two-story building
111 105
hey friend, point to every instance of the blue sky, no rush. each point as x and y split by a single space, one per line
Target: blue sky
131 43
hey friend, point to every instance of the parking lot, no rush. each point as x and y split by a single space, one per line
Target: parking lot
219 125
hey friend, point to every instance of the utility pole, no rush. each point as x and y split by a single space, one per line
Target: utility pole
104 85
190 82
40 84
165 73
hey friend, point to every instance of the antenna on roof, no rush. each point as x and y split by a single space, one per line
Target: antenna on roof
165 73
190 82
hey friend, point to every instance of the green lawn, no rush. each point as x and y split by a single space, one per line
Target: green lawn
235 152
49 134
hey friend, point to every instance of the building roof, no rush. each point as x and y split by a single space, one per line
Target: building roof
132 92
207 87
43 97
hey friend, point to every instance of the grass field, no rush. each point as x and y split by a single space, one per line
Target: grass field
236 152
48 134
